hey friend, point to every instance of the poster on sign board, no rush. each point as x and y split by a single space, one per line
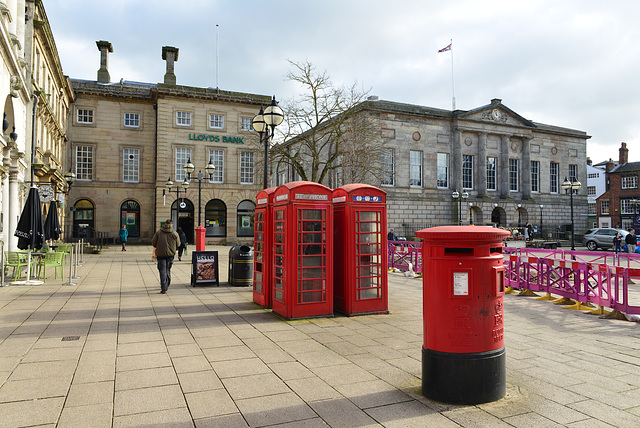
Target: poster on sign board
205 268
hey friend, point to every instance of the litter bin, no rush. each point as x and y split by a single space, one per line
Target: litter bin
240 265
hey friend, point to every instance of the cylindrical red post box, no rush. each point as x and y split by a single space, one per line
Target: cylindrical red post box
463 357
200 232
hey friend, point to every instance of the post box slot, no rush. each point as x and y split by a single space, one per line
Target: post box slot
496 250
459 251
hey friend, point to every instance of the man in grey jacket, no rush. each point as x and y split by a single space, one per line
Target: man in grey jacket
166 242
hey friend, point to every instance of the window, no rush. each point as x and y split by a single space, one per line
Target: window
246 168
85 116
246 213
467 172
535 176
217 158
130 165
591 190
130 216
84 162
513 175
245 124
630 182
491 173
183 155
593 175
604 207
443 170
415 168
215 215
388 168
553 178
592 208
216 121
183 118
627 206
132 120
573 173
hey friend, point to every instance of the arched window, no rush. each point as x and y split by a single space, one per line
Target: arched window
246 214
83 223
215 218
130 216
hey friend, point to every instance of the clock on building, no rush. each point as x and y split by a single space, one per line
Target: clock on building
495 114
46 193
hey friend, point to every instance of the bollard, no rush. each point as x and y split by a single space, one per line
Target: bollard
75 266
71 267
463 357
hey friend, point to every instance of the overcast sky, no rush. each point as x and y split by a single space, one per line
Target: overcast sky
570 63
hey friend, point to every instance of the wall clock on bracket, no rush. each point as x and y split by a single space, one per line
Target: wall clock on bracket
46 193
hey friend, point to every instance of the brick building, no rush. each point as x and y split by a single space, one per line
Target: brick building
619 205
128 139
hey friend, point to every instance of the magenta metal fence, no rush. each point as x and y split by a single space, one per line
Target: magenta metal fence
401 253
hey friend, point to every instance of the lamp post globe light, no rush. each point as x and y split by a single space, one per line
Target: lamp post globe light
459 197
267 118
571 187
541 232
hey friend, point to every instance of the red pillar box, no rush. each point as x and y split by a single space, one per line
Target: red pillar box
303 251
360 250
200 237
463 357
262 252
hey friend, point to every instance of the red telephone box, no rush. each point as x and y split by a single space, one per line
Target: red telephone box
302 250
463 357
262 252
360 284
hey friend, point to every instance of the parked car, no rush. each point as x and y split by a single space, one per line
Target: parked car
601 237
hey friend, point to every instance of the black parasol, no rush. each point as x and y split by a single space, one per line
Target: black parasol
30 230
52 227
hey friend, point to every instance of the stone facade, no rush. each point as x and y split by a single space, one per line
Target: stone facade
138 138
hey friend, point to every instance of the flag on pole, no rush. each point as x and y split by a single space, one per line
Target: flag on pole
445 49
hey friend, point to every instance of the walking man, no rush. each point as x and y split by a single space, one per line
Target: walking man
631 240
166 242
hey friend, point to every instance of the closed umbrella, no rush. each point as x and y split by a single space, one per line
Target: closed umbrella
30 230
52 227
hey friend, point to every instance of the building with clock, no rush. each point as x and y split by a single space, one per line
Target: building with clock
129 143
485 166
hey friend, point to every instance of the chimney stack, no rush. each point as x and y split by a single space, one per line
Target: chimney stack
589 162
170 54
105 48
609 165
624 154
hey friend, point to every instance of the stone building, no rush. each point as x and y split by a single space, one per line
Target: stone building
509 168
619 205
37 99
129 139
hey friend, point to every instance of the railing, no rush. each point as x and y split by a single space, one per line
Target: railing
95 238
401 253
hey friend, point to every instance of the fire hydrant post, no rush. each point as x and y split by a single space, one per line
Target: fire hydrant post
463 356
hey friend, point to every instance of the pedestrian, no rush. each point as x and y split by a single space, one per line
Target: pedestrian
617 243
123 234
391 236
183 243
632 240
528 232
165 241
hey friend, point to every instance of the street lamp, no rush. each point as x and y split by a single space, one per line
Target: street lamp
210 169
541 232
571 188
185 186
455 195
272 116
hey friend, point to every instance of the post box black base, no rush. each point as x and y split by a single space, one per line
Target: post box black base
464 378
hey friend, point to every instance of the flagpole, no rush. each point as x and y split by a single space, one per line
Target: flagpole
453 89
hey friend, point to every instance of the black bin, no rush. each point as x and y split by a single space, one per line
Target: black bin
240 265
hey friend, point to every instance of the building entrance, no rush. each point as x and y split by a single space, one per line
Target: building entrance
183 218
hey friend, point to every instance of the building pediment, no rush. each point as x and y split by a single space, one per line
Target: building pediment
495 113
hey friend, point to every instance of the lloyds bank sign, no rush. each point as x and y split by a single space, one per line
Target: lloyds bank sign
216 138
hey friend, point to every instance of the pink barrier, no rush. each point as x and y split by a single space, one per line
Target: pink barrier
401 253
585 277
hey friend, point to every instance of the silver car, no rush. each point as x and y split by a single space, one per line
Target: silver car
602 238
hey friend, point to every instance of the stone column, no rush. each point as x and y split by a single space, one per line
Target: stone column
12 5
526 168
14 210
503 169
103 73
481 173
456 161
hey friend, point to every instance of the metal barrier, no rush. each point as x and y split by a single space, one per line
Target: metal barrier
401 253
582 279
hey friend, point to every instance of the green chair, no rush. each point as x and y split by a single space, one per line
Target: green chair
50 260
66 249
16 260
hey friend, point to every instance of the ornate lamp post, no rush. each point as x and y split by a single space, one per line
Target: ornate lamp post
571 188
210 169
270 117
541 232
177 190
459 197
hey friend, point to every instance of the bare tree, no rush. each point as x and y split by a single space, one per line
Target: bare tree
327 133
